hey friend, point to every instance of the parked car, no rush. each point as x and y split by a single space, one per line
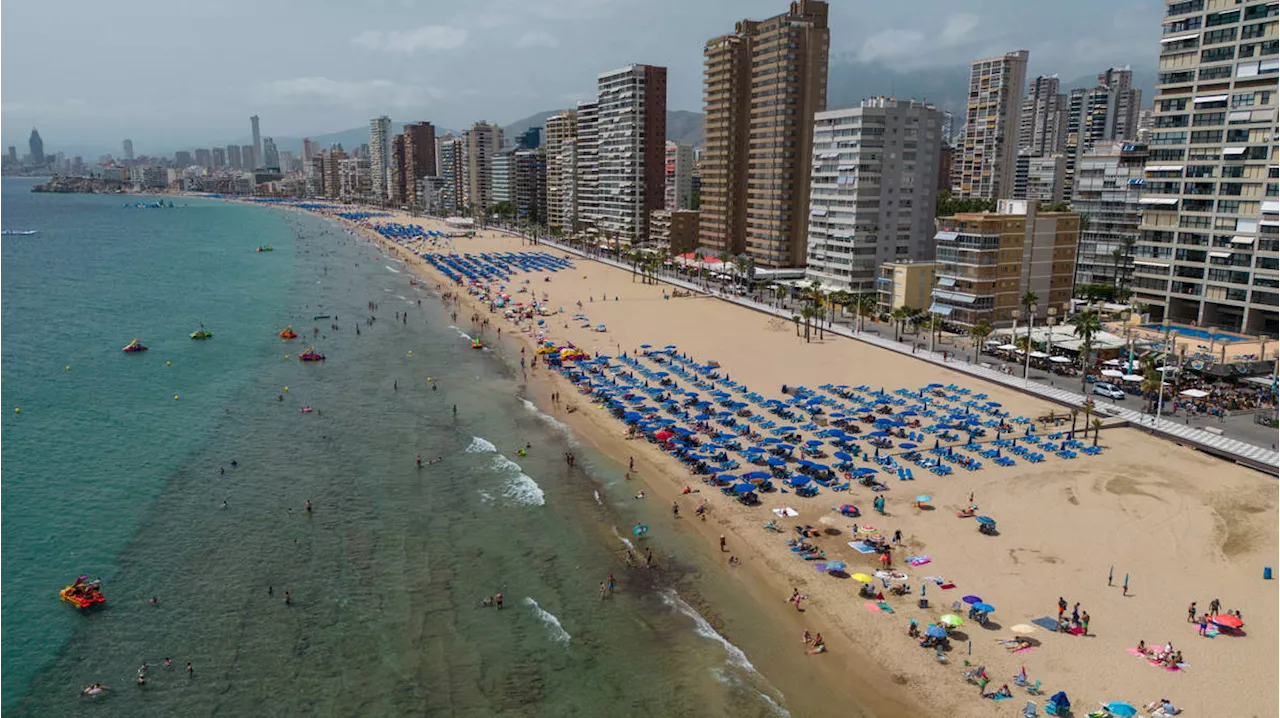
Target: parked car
1111 391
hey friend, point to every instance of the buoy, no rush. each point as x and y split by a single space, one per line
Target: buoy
286 356
428 378
410 352
68 367
16 410
168 363
175 397
286 388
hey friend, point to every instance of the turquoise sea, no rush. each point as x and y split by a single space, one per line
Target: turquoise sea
106 473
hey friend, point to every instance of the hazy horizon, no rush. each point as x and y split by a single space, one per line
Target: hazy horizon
178 79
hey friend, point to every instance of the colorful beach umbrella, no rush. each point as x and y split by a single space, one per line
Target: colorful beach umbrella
952 620
1023 629
1227 620
972 599
984 607
862 578
936 632
1121 709
923 499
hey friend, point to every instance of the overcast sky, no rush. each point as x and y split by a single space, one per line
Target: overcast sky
89 73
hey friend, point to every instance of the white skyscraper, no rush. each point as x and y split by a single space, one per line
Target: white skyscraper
867 204
631 120
678 192
380 157
257 144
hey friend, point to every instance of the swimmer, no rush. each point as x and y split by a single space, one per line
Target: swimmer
640 494
224 504
497 599
419 461
94 689
307 505
435 460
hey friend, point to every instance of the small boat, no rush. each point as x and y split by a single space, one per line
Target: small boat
202 333
306 409
83 594
320 316
311 355
134 346
19 232
288 333
265 248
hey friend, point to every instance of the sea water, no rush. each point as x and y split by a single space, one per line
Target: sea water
119 467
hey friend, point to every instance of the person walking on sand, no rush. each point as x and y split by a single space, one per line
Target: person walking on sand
1075 614
612 584
1062 607
1191 612
675 509
722 543
1084 623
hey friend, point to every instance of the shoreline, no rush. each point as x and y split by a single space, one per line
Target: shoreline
878 652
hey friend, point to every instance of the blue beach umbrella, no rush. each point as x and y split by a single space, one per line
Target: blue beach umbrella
756 475
775 461
843 456
984 607
923 499
813 442
937 632
906 445
743 488
1121 709
798 480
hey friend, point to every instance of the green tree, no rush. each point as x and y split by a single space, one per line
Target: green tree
980 331
1097 426
1087 325
807 312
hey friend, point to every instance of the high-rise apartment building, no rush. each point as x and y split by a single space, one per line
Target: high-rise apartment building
270 155
986 157
587 182
128 150
529 191
420 150
483 141
1108 190
248 160
234 160
763 84
333 160
453 170
1207 250
380 157
562 155
204 158
36 145
1127 101
1041 178
1043 114
182 159
257 143
631 109
219 158
987 261
502 169
400 186
678 177
873 192
308 150
530 139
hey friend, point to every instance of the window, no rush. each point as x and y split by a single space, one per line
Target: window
1233 170
1229 206
1209 118
1249 32
1231 189
1248 50
1214 37
1256 152
1214 19
1237 135
1200 171
1215 73
1257 12
1270 47
1168 138
1166 155
1173 78
1197 205
1174 105
1206 137
1182 8
1191 23
1174 120
1217 54
1242 100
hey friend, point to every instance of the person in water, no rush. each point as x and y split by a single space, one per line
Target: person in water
419 461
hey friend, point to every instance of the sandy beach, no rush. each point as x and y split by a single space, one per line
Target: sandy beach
1180 525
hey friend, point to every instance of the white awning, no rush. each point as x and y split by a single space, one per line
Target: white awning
1165 168
946 282
1151 264
1060 360
1159 200
1178 38
1242 240
1039 355
940 309
954 297
1194 393
818 212
946 236
1271 206
1220 255
1132 377
1006 347
1112 373
1239 116
1234 150
1210 98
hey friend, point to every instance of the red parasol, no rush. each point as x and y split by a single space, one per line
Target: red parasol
1227 620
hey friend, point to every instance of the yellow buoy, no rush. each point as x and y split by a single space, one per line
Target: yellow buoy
410 352
16 410
286 356
168 363
286 388
68 367
175 397
428 378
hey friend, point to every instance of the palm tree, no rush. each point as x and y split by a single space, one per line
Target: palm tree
1074 413
807 313
796 318
816 299
865 304
1097 426
1088 411
899 316
634 256
980 332
1087 325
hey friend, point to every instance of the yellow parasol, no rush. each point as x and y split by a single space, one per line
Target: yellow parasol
862 577
952 620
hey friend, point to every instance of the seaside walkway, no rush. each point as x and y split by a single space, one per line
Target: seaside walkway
1255 457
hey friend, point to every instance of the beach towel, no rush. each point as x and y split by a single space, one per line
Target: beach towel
885 607
918 560
947 586
1076 631
788 511
1046 623
873 607
862 547
1025 650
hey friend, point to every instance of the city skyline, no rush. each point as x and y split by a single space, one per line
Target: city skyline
532 61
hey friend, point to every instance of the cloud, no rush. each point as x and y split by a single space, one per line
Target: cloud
891 44
427 37
959 29
369 40
325 92
537 38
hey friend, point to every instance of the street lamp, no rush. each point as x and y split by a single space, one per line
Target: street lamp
1031 322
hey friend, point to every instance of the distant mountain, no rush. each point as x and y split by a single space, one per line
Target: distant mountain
537 119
